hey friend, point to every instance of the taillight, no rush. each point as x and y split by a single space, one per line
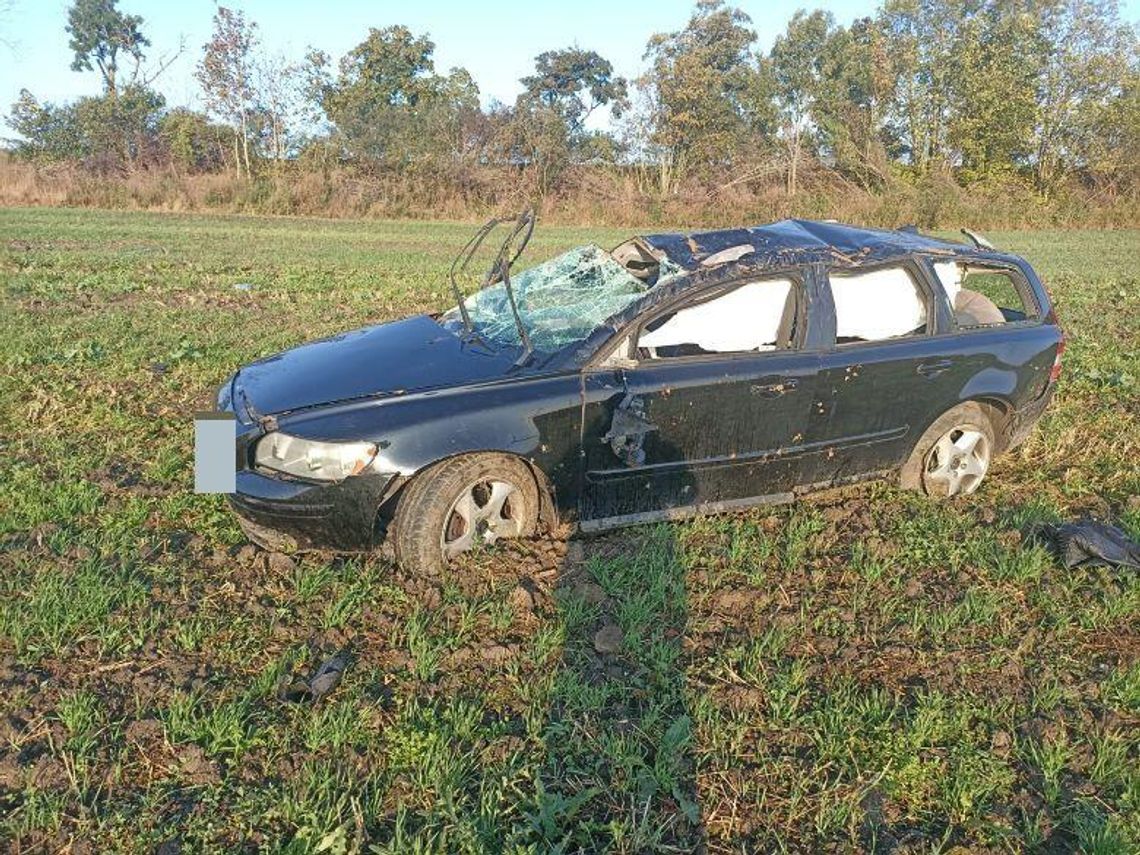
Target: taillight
1055 372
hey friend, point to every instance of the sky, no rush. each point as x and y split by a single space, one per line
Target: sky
496 40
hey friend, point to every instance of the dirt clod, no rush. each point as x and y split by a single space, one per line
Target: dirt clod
197 768
246 554
280 564
145 731
609 639
496 653
591 592
522 598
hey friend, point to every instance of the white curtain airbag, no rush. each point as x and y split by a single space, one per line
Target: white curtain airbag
950 274
745 319
876 304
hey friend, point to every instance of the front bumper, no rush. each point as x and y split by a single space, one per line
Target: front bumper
277 511
314 516
302 515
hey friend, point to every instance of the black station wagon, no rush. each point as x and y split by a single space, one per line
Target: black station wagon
674 374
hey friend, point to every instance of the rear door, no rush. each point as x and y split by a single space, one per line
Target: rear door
708 409
888 375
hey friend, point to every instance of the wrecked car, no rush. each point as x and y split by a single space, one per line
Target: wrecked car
674 374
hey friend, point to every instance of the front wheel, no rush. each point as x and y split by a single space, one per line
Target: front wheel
954 454
461 503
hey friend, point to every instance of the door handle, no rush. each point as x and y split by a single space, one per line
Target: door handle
933 369
775 390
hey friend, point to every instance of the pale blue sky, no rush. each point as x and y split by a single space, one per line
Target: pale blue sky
496 40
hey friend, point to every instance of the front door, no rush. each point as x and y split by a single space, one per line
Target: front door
710 412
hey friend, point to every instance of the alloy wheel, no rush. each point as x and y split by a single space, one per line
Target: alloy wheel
958 462
482 513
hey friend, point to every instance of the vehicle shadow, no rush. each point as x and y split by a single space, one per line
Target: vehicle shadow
618 772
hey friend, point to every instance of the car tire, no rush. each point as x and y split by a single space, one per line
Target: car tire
953 455
459 503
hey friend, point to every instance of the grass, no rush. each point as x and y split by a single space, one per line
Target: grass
863 670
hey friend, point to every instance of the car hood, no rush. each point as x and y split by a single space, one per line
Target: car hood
403 356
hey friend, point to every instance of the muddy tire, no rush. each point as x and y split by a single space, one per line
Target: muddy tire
460 503
954 454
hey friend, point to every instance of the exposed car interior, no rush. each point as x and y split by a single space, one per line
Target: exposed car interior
754 317
981 296
638 258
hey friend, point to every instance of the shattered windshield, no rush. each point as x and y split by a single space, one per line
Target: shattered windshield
561 301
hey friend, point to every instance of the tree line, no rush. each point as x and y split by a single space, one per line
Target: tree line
962 96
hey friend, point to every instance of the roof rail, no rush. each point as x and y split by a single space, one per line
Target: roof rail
978 241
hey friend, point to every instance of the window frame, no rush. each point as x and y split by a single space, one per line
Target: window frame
1021 285
632 331
919 275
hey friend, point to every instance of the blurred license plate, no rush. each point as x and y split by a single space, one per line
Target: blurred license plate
214 436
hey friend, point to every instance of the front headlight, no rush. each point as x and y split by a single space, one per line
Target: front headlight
307 458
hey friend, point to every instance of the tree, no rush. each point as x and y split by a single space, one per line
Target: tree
547 128
226 74
280 89
849 105
108 133
49 131
390 106
192 143
698 88
797 60
1088 63
574 83
993 105
99 32
920 37
120 132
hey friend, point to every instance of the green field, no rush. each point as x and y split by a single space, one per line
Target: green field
864 670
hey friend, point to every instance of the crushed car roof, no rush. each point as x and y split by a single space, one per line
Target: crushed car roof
798 241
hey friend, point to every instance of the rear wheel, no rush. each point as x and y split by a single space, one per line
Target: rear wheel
954 454
462 503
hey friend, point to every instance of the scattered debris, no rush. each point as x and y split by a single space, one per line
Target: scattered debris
244 286
1089 542
293 689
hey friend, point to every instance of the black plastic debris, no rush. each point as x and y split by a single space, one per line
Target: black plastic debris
1089 542
294 689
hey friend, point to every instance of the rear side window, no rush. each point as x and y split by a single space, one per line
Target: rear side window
984 296
754 317
877 304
